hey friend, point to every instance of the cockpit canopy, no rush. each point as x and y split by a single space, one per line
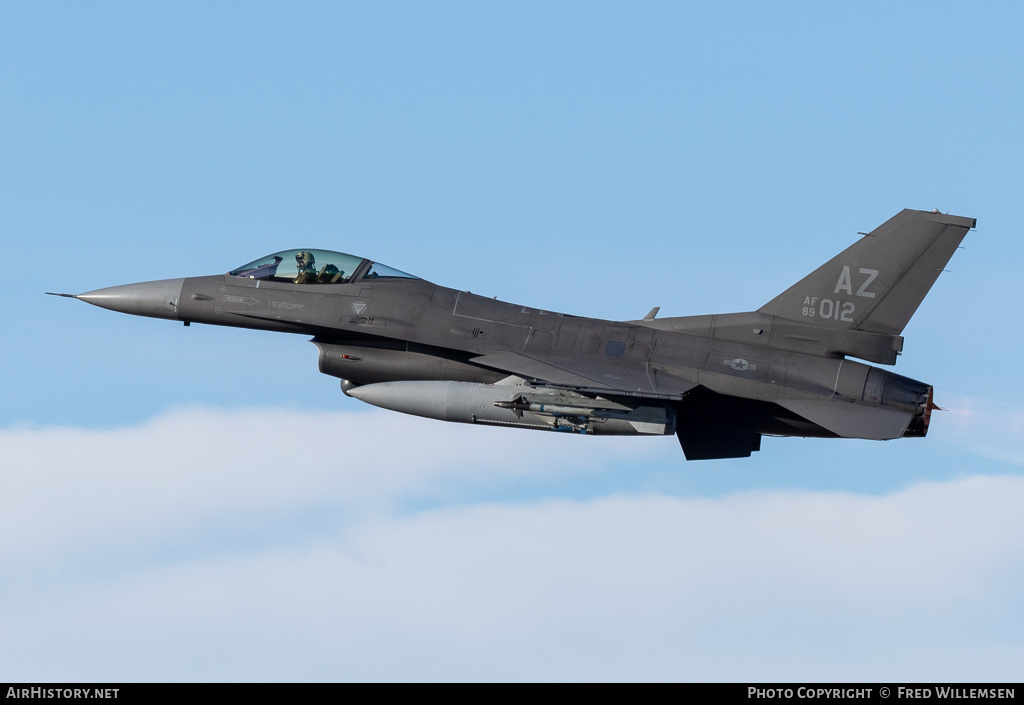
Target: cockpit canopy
315 267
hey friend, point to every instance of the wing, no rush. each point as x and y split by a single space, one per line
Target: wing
590 375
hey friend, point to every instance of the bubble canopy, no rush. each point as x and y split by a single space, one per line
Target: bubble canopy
315 267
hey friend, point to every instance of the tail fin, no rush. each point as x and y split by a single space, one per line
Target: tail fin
877 283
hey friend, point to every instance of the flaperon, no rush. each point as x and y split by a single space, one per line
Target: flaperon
719 382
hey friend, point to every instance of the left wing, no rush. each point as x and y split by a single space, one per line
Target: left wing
586 375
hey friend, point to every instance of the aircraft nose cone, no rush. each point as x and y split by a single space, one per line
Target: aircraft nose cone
157 299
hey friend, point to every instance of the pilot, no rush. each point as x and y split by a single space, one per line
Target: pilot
307 269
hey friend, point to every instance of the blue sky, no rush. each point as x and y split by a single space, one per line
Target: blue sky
591 158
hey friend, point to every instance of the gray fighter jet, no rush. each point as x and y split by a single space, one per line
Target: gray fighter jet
719 382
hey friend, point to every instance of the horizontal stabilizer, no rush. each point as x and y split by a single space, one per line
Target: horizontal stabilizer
850 420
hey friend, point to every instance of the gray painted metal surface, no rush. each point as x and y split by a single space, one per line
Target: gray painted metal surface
718 382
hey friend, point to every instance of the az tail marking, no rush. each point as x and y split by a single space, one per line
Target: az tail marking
845 283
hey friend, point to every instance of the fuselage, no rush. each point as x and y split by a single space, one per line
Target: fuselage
389 330
719 382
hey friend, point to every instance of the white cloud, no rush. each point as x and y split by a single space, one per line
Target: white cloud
924 583
187 468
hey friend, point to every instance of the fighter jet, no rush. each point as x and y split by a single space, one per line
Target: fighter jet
718 382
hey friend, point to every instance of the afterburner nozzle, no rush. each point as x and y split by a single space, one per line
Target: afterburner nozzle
157 299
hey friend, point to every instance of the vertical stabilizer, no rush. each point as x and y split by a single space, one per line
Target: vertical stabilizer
877 283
